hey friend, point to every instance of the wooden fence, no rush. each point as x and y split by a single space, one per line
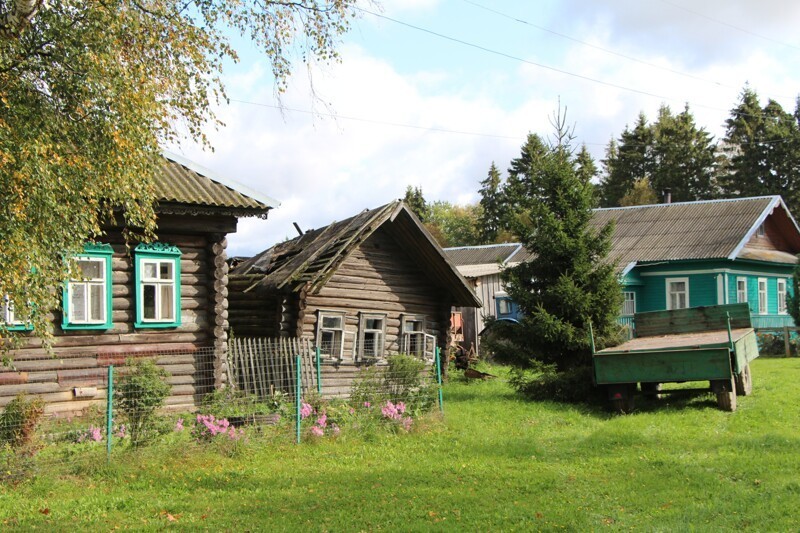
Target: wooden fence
262 366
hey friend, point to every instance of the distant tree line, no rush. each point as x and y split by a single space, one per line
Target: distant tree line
758 155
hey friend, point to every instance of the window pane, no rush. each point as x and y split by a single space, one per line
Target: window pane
374 323
91 269
167 301
165 270
149 297
372 344
413 325
331 322
98 303
77 303
150 270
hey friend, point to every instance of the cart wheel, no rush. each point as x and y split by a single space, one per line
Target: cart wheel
744 382
652 389
622 398
726 395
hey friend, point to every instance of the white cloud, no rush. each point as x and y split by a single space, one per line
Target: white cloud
324 169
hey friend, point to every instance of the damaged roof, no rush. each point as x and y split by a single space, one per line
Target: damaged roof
314 257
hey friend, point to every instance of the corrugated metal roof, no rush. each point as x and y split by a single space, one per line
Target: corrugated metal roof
688 230
185 182
482 255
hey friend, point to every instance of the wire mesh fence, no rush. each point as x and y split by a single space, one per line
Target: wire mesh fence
281 388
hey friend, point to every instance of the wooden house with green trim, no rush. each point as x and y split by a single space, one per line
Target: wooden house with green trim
166 300
364 288
692 254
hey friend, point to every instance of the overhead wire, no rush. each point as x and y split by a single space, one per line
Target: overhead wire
431 128
548 67
597 47
729 25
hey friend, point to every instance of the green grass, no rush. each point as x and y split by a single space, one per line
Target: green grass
496 462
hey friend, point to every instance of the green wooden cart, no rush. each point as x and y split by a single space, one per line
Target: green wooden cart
713 343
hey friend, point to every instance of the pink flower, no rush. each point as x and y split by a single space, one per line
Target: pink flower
352 411
335 429
121 432
401 407
406 422
366 404
391 411
179 425
306 410
317 431
322 421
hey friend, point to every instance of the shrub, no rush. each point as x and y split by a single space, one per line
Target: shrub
774 344
545 383
233 404
402 380
139 394
19 420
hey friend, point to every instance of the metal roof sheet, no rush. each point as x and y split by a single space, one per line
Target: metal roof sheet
482 255
688 230
184 182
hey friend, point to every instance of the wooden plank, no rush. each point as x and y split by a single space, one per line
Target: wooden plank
663 366
692 319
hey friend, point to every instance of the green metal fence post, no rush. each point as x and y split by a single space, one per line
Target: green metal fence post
109 410
298 396
439 377
319 372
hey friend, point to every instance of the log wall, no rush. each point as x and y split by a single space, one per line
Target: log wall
191 353
379 277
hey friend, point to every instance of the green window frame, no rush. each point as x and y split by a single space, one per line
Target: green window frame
157 284
86 301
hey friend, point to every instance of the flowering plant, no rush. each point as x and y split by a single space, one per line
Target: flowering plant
207 427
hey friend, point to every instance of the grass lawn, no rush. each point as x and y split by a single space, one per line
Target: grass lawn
495 463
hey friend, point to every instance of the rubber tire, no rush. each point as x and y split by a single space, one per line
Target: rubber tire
744 382
652 390
625 404
727 400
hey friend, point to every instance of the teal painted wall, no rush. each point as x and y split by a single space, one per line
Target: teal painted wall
703 287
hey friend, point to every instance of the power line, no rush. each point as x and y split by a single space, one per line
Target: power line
434 129
540 65
596 47
373 121
729 25
547 67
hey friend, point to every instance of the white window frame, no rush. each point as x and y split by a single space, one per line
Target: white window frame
158 283
7 316
626 301
406 335
669 281
87 284
378 336
782 308
763 296
741 289
341 315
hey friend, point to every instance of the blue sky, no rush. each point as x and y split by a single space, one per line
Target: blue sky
405 107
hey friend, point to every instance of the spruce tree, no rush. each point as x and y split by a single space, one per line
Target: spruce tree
416 202
682 157
492 206
569 284
763 149
627 160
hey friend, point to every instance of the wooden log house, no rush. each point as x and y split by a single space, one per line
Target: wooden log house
369 286
166 300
